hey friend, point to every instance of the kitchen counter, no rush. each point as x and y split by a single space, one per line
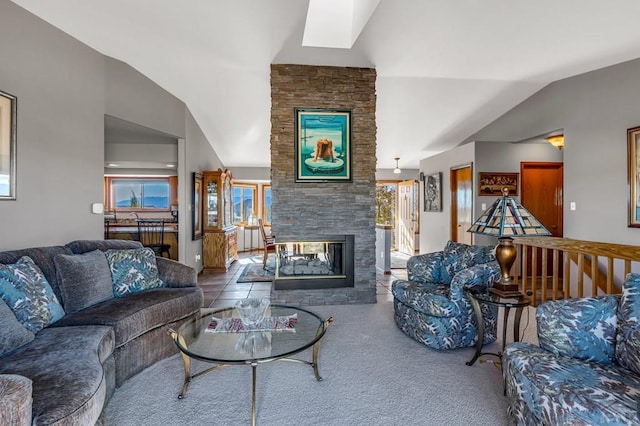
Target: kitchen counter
130 232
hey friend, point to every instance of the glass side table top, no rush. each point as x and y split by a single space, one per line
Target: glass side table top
246 347
486 296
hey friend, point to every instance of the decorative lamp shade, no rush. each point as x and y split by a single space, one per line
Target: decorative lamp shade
507 218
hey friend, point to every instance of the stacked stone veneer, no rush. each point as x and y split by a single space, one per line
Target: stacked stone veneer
332 208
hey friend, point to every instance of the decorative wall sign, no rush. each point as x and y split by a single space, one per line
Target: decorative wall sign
433 192
8 113
323 145
491 183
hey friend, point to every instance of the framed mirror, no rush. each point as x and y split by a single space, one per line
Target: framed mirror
8 112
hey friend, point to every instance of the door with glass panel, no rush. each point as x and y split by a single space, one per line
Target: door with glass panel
408 232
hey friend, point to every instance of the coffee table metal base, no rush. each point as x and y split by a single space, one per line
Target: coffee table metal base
188 377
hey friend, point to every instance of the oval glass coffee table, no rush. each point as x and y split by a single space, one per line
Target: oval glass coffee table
217 336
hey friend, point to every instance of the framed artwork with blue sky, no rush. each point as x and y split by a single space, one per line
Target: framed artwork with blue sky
322 145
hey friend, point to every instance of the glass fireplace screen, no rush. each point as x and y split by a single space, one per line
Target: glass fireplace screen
296 260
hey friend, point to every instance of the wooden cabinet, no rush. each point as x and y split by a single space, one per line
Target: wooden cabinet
220 241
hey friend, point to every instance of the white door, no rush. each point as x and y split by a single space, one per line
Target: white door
408 202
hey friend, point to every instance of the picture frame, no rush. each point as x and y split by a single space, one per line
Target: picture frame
633 177
491 183
322 145
8 142
197 207
433 192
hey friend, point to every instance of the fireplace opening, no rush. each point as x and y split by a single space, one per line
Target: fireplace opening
314 263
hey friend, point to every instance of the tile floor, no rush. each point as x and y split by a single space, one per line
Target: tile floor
221 289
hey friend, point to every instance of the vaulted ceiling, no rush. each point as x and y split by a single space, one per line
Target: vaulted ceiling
445 68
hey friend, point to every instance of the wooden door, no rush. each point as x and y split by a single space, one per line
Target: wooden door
541 193
461 203
407 219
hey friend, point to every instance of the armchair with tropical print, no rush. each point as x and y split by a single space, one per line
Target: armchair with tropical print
586 369
431 305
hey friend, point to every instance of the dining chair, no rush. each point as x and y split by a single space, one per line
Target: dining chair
109 218
268 243
151 234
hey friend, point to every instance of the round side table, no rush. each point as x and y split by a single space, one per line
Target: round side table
478 298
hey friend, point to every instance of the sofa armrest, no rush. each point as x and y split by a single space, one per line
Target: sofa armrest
15 400
424 268
581 328
481 276
176 274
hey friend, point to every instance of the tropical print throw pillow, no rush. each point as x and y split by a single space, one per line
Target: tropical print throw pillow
133 270
25 289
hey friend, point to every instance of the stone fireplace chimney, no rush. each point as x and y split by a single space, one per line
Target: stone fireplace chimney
316 209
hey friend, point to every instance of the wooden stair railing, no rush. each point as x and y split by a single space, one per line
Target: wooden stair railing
596 261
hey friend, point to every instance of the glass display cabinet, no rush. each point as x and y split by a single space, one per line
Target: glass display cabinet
220 242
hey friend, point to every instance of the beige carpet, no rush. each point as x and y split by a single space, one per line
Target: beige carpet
373 375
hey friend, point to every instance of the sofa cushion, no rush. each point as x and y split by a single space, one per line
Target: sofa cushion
458 256
66 367
83 246
628 339
428 298
15 400
43 257
133 270
84 279
27 292
137 313
12 333
545 389
583 328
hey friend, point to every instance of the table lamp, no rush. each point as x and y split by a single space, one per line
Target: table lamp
507 218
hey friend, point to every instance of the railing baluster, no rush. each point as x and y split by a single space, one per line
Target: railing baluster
554 276
594 275
525 275
610 275
566 279
627 267
580 274
516 270
566 251
544 274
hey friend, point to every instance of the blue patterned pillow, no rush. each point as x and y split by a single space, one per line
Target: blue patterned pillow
628 340
133 270
24 288
582 328
458 256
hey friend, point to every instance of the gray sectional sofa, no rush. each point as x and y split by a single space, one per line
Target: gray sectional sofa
65 373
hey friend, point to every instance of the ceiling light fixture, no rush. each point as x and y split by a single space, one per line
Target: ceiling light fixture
556 140
397 169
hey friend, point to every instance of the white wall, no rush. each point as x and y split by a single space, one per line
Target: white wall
59 84
505 157
64 89
131 96
595 110
199 156
406 174
435 227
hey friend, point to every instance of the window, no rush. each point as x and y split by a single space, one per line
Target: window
125 194
266 204
386 196
244 202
